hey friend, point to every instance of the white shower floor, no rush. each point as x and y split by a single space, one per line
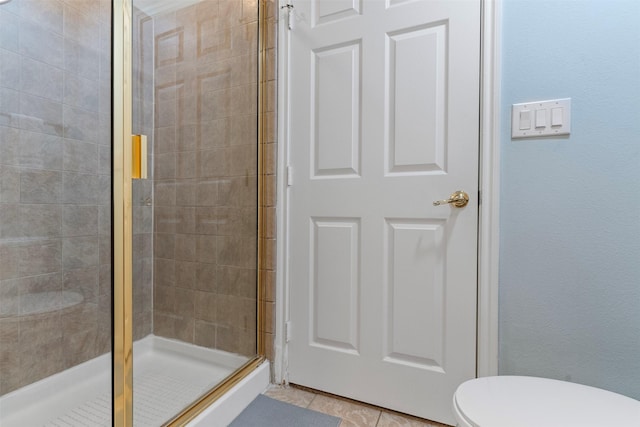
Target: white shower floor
168 375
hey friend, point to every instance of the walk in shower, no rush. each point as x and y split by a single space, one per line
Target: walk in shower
94 264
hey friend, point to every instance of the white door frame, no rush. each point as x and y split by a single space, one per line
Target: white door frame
488 227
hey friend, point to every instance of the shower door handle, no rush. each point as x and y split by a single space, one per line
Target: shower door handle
139 159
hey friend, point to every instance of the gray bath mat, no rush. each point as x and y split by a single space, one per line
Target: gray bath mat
267 412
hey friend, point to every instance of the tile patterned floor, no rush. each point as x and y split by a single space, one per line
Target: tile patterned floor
353 414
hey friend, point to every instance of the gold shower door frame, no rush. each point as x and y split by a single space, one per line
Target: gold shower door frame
122 310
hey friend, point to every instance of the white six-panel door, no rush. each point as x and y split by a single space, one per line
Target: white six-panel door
384 113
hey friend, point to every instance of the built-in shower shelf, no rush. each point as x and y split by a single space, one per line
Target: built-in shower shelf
33 304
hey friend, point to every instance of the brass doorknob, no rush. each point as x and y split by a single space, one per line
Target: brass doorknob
459 199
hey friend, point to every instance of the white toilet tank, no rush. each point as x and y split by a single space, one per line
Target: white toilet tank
513 401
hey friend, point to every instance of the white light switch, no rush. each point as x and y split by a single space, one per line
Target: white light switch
541 118
556 116
548 118
525 119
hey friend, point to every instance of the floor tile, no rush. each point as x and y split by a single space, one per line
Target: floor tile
292 395
352 414
388 419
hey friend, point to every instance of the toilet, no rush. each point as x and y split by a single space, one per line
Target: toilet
515 401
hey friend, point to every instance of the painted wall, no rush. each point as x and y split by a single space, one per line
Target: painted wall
570 214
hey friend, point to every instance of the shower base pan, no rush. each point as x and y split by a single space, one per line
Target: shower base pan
168 376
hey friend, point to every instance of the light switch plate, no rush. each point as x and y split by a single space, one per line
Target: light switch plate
545 118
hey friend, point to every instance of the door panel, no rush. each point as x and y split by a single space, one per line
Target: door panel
384 110
334 277
415 115
336 110
413 294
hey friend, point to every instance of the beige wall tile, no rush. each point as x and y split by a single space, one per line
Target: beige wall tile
208 191
235 281
236 312
271 65
272 35
272 8
270 158
244 39
41 360
269 317
164 272
270 190
269 285
270 224
164 193
213 45
164 298
79 347
186 134
205 334
184 328
213 76
243 160
164 245
243 99
269 346
185 220
213 133
244 69
208 219
268 261
206 277
232 10
186 164
249 10
163 324
164 166
206 306
243 129
186 192
271 97
213 163
207 249
165 219
271 127
186 247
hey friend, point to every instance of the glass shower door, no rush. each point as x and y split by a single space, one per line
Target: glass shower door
55 211
192 278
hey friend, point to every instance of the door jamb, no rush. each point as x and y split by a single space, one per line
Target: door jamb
488 221
489 210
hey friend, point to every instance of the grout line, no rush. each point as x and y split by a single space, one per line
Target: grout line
379 416
311 401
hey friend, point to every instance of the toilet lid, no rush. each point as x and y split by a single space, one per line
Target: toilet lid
511 401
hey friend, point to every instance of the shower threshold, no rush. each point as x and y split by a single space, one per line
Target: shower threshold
168 376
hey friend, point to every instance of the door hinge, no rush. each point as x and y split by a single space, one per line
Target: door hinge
289 176
479 197
287 331
290 13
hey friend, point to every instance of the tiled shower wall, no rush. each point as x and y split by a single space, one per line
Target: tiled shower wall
267 268
54 186
205 175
